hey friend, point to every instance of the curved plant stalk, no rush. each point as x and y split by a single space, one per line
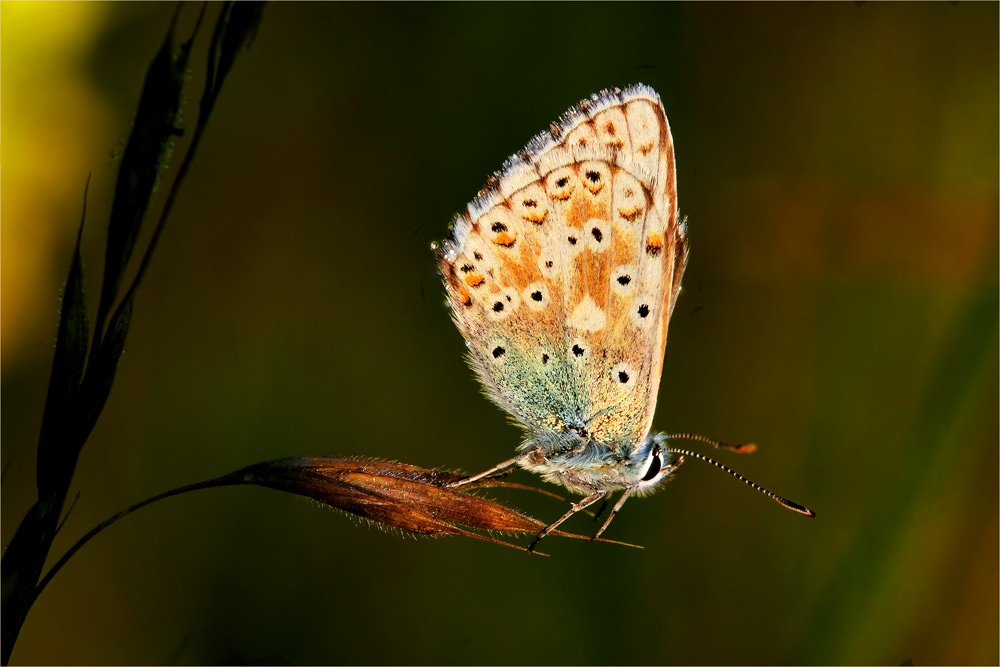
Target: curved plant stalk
412 499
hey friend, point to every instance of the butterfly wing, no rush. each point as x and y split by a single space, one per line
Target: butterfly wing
563 272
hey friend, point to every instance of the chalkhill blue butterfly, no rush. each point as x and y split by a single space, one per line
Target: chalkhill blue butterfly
562 275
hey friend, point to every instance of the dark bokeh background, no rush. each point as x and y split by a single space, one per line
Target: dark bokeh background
839 166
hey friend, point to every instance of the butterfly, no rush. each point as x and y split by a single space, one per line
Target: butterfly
562 275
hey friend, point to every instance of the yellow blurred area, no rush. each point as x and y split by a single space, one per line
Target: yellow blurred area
48 121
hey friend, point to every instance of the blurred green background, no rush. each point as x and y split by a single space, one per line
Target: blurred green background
839 167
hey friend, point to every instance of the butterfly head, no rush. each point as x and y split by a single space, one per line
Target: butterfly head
587 466
655 465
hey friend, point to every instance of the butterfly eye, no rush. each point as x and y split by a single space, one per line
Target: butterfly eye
654 467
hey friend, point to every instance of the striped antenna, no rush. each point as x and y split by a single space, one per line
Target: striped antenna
778 499
745 448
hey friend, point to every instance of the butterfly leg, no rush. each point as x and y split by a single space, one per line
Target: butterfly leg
614 511
574 508
628 492
486 473
600 510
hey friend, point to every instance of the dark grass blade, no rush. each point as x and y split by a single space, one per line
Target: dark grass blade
238 32
80 384
25 554
143 161
103 367
67 370
234 30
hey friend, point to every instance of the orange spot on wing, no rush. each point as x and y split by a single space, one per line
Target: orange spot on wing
534 216
654 243
646 148
463 296
630 214
474 279
504 238
593 181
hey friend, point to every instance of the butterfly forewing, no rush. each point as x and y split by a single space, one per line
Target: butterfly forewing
562 274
